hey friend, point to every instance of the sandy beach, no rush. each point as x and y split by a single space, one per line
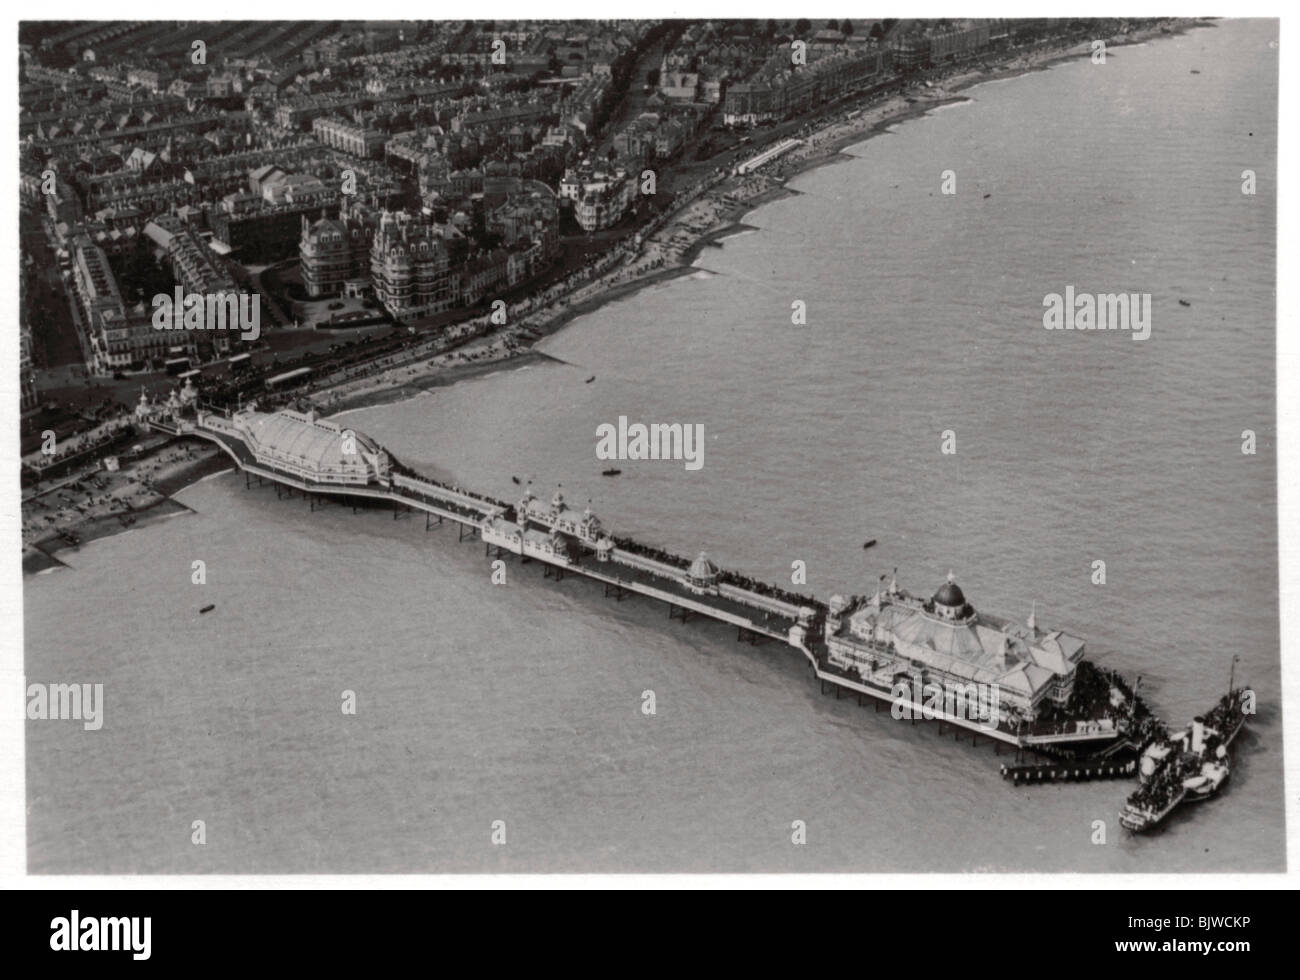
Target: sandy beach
67 513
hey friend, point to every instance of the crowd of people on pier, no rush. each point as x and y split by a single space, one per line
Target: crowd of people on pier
724 576
771 591
646 551
401 469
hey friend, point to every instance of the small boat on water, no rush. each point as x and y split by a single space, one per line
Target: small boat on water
516 479
610 472
208 608
1183 302
987 196
591 379
871 543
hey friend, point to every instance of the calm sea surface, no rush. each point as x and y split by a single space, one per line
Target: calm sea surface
521 703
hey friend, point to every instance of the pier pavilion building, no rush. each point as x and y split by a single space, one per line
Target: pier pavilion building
308 447
944 640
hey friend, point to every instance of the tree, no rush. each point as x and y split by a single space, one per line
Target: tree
832 25
801 27
846 28
770 30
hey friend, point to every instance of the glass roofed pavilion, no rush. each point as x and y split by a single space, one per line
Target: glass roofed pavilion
312 448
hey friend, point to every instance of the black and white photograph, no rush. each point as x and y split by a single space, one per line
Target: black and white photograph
674 445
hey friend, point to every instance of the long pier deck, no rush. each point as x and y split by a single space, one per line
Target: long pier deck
755 614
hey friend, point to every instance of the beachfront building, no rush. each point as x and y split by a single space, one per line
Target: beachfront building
748 103
410 268
943 639
121 338
334 252
920 50
600 198
779 89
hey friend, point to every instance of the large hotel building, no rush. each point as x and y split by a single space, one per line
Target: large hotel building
410 268
335 253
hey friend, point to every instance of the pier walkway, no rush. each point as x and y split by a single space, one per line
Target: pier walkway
622 570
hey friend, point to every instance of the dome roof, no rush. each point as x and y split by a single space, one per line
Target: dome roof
702 568
950 594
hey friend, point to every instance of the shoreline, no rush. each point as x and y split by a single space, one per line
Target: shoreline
444 375
825 145
506 350
42 554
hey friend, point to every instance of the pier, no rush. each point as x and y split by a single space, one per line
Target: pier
322 461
